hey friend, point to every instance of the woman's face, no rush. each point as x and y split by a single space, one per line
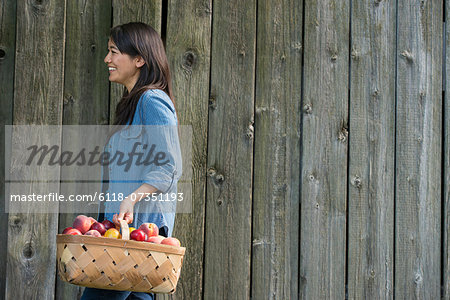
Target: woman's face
123 68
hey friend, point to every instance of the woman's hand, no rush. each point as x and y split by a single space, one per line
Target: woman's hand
125 212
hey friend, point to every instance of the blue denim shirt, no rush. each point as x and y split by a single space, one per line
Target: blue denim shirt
154 108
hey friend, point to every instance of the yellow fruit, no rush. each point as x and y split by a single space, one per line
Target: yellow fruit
131 229
113 233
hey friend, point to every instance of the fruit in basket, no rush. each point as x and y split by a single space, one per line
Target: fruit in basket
131 229
67 229
171 241
99 227
93 232
155 239
113 233
138 235
150 229
108 224
83 223
72 231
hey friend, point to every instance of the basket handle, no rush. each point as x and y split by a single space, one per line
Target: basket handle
125 230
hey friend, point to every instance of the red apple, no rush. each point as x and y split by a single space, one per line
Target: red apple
155 239
82 223
108 224
171 241
99 227
73 231
67 229
150 229
93 232
138 235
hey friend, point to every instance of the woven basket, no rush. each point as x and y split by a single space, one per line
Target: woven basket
119 264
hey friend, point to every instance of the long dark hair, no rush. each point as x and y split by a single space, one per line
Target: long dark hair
139 39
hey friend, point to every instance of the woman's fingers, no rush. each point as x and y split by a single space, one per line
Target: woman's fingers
128 218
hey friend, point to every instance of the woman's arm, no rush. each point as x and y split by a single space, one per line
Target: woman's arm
127 205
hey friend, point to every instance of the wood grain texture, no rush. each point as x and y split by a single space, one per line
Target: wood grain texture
446 166
324 155
372 142
124 11
230 151
7 50
38 93
276 176
86 98
188 51
418 150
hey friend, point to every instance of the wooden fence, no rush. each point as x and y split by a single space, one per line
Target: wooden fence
321 160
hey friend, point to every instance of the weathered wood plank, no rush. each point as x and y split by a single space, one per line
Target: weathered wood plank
324 156
86 97
230 151
446 166
7 49
188 50
38 93
371 165
276 225
124 11
418 157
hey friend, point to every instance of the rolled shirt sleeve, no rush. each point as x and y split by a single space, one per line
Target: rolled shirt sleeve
160 130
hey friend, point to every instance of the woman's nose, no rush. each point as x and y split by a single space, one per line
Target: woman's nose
106 60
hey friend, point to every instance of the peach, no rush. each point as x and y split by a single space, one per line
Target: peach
171 241
67 229
93 232
73 231
82 223
155 239
150 229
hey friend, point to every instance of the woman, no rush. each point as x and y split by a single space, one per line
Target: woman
137 60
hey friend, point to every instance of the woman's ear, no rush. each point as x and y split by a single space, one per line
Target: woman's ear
139 61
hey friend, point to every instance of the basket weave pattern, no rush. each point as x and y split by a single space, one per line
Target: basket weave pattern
107 263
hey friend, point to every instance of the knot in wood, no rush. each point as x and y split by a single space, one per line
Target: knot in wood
260 110
343 134
28 250
418 278
93 47
307 108
354 54
212 103
377 2
189 59
38 7
2 54
15 221
219 202
250 130
220 178
357 182
375 93
211 172
408 55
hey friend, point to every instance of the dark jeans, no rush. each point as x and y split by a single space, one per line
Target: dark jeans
98 294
